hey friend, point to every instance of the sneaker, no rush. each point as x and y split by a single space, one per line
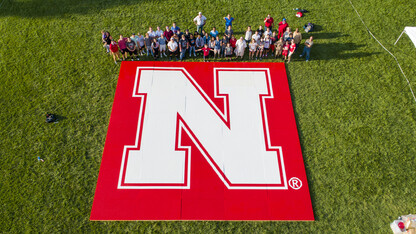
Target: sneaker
115 62
307 60
138 59
300 56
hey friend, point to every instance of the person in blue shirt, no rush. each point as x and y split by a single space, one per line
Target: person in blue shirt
217 47
206 38
214 32
228 21
174 28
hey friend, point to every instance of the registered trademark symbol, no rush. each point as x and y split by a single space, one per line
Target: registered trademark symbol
295 183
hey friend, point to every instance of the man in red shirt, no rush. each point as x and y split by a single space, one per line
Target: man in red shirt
282 27
168 33
268 22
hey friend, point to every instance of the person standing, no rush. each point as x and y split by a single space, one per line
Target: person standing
279 47
158 32
297 36
140 43
228 52
252 48
224 43
132 48
162 45
148 43
172 48
205 51
228 21
267 43
155 48
285 52
240 47
168 33
256 36
282 27
114 50
192 44
214 33
229 32
260 31
199 42
122 46
307 48
200 21
217 47
268 22
152 34
292 49
260 48
248 34
183 46
174 28
106 39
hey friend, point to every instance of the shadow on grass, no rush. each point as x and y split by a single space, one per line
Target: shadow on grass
336 51
59 8
309 176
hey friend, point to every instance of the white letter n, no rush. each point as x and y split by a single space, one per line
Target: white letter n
235 143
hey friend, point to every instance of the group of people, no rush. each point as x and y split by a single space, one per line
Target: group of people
173 43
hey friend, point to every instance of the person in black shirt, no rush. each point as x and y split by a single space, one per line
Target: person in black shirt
260 31
131 48
192 44
183 46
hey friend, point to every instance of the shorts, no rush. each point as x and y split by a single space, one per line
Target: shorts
290 53
252 50
162 47
123 51
228 55
217 51
132 52
260 49
284 53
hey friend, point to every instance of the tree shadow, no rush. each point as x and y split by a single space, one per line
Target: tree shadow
336 51
58 8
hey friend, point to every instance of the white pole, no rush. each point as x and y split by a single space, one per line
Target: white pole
399 37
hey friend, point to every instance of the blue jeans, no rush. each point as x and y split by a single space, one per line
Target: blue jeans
182 54
190 50
307 51
151 51
198 27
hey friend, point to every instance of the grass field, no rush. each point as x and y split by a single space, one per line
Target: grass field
355 115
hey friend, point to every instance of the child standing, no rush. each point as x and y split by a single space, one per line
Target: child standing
292 49
205 51
267 43
260 48
228 51
285 50
252 48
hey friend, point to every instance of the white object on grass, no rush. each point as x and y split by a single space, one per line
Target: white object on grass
411 32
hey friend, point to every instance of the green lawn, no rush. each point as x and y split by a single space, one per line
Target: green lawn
355 115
